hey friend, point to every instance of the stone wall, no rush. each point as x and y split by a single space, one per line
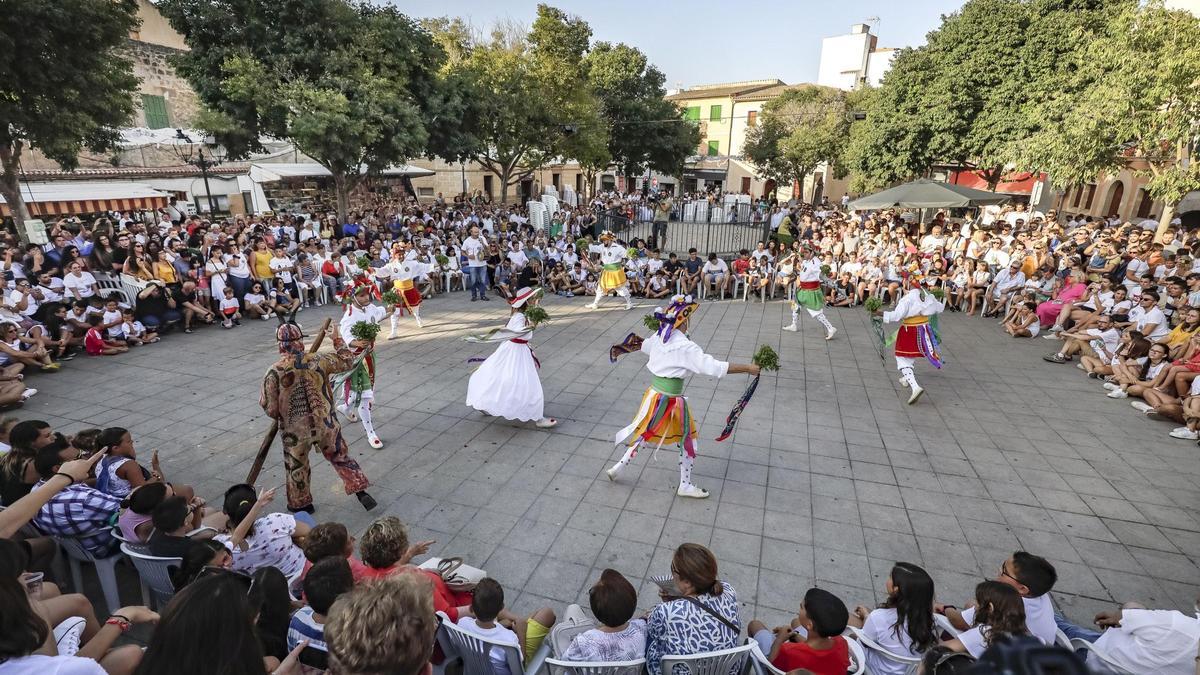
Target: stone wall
158 78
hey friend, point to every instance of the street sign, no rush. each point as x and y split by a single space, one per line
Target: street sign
35 232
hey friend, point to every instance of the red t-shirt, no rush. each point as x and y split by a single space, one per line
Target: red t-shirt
740 266
93 341
444 599
832 661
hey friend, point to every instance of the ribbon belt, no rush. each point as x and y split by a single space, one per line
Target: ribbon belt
522 341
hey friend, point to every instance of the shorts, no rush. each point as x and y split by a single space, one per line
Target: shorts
535 635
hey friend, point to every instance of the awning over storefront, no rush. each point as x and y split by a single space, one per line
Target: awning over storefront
267 172
62 198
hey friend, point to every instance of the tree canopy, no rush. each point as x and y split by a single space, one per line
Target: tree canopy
64 82
798 130
351 84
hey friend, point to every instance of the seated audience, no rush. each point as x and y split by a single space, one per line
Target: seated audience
619 637
999 613
256 542
328 578
386 626
699 615
903 624
813 642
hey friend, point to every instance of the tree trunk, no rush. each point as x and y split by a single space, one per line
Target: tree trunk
1164 220
505 173
10 188
341 184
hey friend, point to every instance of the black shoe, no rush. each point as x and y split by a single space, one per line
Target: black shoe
484 298
310 509
368 502
473 298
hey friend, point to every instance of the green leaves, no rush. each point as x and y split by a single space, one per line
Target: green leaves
651 322
365 331
766 358
536 315
801 128
873 304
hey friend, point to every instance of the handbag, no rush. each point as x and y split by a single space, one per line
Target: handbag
457 575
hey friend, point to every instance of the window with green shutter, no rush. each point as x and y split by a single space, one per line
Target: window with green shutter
714 148
692 114
714 113
154 108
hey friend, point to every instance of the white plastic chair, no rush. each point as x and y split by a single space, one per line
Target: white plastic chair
557 667
858 659
155 575
1061 639
105 570
474 651
1080 643
722 662
864 643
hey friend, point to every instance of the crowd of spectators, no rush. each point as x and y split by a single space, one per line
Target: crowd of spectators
260 592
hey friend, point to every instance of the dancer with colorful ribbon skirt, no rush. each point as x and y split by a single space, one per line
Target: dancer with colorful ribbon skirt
917 336
664 417
358 385
406 272
507 383
808 292
297 393
612 275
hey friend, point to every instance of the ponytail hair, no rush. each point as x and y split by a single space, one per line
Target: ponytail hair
697 565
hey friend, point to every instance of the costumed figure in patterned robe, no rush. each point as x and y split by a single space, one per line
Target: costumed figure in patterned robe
405 275
296 393
664 417
917 313
358 385
507 383
808 293
612 275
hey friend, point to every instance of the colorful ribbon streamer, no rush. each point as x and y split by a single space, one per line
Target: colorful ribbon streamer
738 407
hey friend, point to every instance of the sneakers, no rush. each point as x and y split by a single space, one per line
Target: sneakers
29 391
1080 366
546 423
692 491
612 473
265 317
1141 406
791 327
591 306
1111 385
1117 393
917 390
373 439
570 294
473 298
1050 336
1185 433
1055 358
831 333
69 635
484 298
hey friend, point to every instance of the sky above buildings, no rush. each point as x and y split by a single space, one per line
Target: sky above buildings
706 41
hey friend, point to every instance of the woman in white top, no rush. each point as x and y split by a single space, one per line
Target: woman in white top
217 271
903 624
78 283
237 273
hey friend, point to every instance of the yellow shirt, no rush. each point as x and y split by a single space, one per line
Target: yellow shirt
165 271
1179 336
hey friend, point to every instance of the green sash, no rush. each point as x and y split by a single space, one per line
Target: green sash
671 386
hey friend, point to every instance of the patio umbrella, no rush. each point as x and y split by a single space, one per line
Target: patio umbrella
928 194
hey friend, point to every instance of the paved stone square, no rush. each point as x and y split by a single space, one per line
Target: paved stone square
828 480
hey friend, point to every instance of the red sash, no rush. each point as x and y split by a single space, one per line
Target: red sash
810 285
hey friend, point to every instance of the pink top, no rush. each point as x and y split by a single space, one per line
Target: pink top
1072 292
128 522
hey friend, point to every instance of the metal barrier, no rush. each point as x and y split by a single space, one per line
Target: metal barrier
723 231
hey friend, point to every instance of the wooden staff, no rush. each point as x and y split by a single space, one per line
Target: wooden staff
265 446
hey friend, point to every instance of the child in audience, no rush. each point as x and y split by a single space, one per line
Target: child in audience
1024 323
257 303
328 578
135 331
173 519
111 320
813 642
903 624
332 540
493 622
999 614
229 309
119 473
620 637
1033 577
94 341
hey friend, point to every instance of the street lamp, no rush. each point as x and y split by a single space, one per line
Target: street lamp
201 162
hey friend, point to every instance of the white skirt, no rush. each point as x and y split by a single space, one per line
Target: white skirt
507 384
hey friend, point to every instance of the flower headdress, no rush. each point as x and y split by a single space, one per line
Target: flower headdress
359 281
674 314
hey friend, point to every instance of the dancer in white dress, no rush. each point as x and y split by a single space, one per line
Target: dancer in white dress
507 384
612 274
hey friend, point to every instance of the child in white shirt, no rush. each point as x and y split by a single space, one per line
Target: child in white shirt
495 623
135 331
111 320
229 309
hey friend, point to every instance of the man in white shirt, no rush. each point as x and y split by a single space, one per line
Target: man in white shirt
1147 318
1140 640
1008 281
475 248
1101 341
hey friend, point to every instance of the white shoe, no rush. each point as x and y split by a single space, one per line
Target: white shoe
1141 406
1117 393
347 412
546 423
29 391
265 317
628 306
612 473
1111 385
692 491
69 635
917 390
392 335
373 439
1050 336
831 333
591 306
791 327
1185 433
1080 366
419 324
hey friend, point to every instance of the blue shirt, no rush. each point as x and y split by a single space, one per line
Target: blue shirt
82 513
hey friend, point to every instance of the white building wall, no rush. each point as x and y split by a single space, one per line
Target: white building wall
844 59
878 63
